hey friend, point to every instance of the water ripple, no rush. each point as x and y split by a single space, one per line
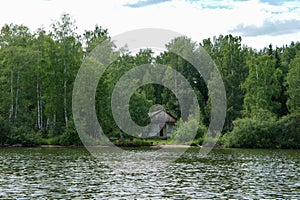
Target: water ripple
72 173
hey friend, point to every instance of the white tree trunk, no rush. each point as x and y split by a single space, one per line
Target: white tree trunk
11 111
47 123
256 72
54 119
41 106
18 92
38 105
175 80
65 94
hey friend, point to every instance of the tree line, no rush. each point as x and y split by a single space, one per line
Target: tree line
38 69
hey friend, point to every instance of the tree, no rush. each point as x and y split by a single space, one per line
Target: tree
262 85
92 38
68 59
230 58
182 67
18 59
293 84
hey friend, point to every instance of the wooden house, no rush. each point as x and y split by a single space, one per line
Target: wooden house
163 124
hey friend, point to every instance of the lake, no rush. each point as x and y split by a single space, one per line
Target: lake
73 173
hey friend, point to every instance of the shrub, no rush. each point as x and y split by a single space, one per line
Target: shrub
197 142
210 141
263 131
184 133
202 129
256 131
141 142
289 126
70 136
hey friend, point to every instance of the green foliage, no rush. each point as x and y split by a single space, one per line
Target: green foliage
3 129
289 127
230 58
184 133
38 69
262 85
24 139
141 142
70 136
210 141
257 131
264 131
201 131
136 142
197 142
293 83
139 107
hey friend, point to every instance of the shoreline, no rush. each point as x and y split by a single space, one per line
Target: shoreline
176 146
102 146
3 146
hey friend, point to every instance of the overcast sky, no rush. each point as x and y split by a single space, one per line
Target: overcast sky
259 22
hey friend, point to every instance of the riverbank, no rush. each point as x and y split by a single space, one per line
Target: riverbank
176 146
126 143
157 145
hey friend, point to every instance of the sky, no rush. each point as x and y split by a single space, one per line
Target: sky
259 22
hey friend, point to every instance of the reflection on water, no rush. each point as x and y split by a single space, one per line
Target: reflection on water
36 173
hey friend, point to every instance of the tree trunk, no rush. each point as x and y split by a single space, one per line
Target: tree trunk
47 123
65 94
256 72
38 104
41 105
11 111
18 92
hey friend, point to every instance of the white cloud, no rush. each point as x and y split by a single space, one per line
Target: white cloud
264 41
199 19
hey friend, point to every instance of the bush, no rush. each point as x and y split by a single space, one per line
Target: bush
290 128
3 131
202 129
51 141
197 142
263 131
70 136
210 141
25 139
136 142
257 131
184 132
141 142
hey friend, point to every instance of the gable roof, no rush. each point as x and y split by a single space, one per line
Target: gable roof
158 112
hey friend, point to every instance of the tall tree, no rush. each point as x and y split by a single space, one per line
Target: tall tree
70 53
93 38
293 84
262 85
230 58
43 45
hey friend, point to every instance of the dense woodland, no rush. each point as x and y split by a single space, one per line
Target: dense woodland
38 69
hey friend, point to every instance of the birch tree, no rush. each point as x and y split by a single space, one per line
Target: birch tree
262 85
293 84
69 57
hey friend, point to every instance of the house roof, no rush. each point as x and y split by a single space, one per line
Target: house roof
155 113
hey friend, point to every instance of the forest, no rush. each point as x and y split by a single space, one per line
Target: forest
38 69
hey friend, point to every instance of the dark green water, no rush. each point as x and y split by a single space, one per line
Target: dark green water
72 173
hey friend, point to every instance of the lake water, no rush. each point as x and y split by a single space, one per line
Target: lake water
73 173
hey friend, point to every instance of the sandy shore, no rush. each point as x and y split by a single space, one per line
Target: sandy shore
175 146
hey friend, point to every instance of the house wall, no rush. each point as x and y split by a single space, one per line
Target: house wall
153 130
169 130
161 120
